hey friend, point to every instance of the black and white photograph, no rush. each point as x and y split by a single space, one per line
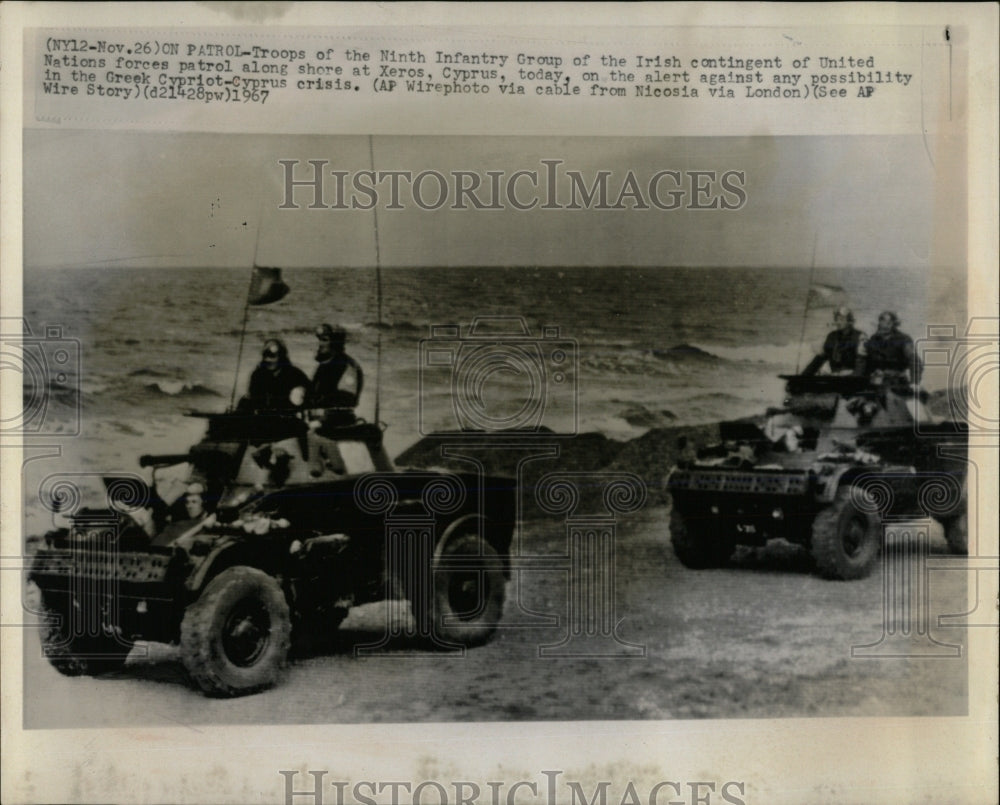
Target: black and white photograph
723 368
527 431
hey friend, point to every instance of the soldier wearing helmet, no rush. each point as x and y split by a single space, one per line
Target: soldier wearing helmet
333 395
843 349
890 353
276 385
338 379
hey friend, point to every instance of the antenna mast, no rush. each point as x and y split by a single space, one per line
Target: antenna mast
246 313
805 312
378 293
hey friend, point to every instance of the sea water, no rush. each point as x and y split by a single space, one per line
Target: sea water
640 347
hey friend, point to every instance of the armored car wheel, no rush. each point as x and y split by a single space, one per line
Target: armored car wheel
845 539
695 547
235 637
79 655
956 532
465 601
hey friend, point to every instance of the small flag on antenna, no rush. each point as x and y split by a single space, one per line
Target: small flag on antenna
266 286
821 295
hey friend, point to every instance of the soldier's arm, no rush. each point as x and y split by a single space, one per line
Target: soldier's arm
913 360
861 359
300 382
361 381
814 365
817 363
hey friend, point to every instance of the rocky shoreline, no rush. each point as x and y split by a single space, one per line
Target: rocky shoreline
649 456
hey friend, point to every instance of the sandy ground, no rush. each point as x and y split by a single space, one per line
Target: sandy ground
764 638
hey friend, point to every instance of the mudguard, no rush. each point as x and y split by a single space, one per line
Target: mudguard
225 553
842 476
458 526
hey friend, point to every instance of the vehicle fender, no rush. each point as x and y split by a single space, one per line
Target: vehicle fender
827 491
830 484
666 478
668 489
460 525
226 554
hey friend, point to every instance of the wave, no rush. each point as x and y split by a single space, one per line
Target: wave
397 326
773 354
144 372
823 295
124 427
639 416
178 388
92 387
624 364
684 351
53 392
716 396
682 359
690 358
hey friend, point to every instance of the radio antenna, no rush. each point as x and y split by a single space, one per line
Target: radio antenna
805 312
378 292
246 313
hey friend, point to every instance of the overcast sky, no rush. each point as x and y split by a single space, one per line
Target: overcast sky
157 200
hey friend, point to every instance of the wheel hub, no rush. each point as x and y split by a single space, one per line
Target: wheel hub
464 595
854 538
246 634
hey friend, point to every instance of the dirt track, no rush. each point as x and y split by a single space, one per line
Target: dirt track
764 638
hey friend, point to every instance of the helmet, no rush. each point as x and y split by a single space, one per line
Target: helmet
335 335
275 347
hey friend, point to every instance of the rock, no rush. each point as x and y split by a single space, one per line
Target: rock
649 456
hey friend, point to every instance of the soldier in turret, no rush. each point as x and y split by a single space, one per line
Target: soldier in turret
276 384
333 395
890 355
338 380
844 348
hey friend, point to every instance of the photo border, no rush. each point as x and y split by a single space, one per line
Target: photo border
781 760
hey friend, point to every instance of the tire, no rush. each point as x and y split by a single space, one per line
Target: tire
235 637
467 595
695 547
956 532
86 655
845 540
